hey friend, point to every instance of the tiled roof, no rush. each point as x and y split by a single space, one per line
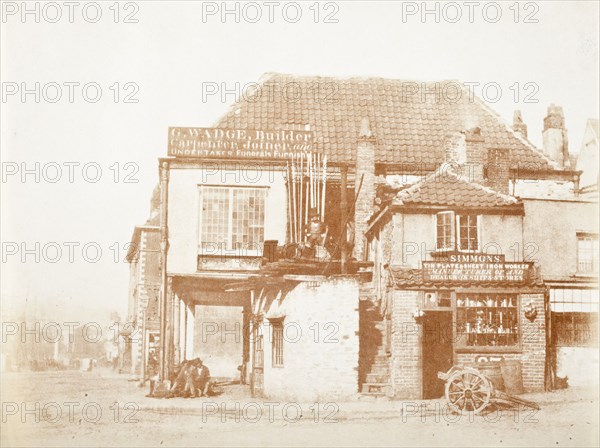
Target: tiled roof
444 187
410 128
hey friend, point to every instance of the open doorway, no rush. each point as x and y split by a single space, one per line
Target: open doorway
437 351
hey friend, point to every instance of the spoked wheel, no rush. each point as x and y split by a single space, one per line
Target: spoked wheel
468 390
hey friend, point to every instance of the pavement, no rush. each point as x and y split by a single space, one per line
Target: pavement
103 408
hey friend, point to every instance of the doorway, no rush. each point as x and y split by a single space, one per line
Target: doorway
437 349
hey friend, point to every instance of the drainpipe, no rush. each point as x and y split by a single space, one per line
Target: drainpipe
164 246
343 211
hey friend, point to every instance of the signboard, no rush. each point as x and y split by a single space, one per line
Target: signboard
448 271
238 143
476 258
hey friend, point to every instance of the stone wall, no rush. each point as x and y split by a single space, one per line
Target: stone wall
320 349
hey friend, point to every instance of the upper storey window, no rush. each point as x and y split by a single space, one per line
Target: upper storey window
232 218
457 232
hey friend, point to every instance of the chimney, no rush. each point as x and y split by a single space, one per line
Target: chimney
518 125
498 169
465 151
475 155
365 165
556 145
455 148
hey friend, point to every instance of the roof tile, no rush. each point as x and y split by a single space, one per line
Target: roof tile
443 187
407 128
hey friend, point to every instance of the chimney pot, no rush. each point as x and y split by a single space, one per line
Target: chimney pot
498 169
554 135
555 118
475 154
455 148
519 125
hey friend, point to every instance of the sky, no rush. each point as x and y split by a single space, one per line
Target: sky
127 73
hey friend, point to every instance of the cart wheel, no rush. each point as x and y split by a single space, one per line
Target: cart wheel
468 390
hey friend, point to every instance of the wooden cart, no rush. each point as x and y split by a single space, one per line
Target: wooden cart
467 389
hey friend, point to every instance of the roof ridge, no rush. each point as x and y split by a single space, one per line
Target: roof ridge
233 106
414 187
446 169
506 197
410 127
354 78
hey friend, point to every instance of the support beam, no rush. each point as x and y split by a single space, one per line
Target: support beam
176 329
164 247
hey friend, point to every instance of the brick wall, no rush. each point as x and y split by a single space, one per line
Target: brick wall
498 169
365 165
533 344
405 367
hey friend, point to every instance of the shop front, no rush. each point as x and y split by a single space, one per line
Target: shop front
464 313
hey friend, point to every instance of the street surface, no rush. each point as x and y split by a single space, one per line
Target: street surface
102 408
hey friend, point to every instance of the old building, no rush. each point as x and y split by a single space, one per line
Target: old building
265 328
421 188
457 281
561 234
141 331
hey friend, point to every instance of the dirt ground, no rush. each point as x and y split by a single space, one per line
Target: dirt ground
102 408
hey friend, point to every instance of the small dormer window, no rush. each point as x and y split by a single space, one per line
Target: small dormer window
457 232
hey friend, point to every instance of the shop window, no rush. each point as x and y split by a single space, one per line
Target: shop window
457 232
437 299
575 329
232 218
574 317
587 252
487 320
277 352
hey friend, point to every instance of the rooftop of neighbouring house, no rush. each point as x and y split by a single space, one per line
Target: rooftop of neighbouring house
409 119
444 187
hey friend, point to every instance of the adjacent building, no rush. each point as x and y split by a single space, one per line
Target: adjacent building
567 249
588 159
140 332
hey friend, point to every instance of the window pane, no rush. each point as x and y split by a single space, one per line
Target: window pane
277 350
215 218
244 207
587 253
487 320
445 231
468 232
248 218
